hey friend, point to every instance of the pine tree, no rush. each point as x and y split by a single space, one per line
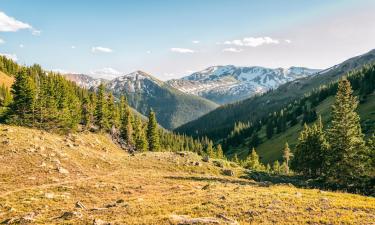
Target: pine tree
252 161
269 129
101 112
139 135
220 153
287 154
152 132
348 156
126 130
276 167
86 114
310 151
24 95
210 150
235 159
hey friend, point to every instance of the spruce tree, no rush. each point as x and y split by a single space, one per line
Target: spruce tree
24 95
287 154
276 167
219 151
235 159
347 160
210 150
152 133
252 161
126 130
139 135
101 112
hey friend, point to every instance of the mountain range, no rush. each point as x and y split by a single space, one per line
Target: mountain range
218 123
226 84
179 101
144 92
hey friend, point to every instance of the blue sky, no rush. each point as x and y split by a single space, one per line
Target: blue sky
173 38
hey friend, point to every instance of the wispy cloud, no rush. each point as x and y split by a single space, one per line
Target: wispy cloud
10 56
288 41
106 72
236 50
21 46
10 24
101 49
195 42
2 41
252 41
182 50
72 47
148 52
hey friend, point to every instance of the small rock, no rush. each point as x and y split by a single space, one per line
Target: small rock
218 163
62 170
119 201
265 184
6 142
80 205
100 222
49 195
206 158
197 164
298 194
206 187
228 220
228 172
182 154
70 215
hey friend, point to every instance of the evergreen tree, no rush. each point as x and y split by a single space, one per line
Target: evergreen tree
235 159
23 105
348 157
287 154
152 132
140 137
276 167
252 161
86 113
210 150
220 153
126 130
101 112
310 151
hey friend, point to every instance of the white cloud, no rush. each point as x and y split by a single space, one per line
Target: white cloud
2 41
21 45
106 72
236 50
288 41
10 24
148 52
101 49
252 41
36 32
73 47
62 71
196 42
10 56
182 50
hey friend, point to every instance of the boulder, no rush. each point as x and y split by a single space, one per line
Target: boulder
62 170
206 158
100 222
70 215
228 172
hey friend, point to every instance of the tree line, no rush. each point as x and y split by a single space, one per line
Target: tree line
46 100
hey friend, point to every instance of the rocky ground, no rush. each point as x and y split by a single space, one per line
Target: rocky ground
86 179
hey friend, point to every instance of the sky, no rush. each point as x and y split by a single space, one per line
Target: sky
173 38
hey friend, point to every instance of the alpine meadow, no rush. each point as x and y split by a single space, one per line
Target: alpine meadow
249 113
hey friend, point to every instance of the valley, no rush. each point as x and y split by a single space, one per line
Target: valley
86 179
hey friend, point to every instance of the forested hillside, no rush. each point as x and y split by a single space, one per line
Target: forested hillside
220 122
48 101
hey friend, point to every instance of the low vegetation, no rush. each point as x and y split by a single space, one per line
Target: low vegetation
87 179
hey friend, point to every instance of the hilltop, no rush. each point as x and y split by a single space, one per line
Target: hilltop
81 178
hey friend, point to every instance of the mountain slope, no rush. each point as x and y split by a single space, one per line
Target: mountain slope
85 81
218 123
224 84
79 179
172 107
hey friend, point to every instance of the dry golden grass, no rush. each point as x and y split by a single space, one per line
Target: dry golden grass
150 187
6 80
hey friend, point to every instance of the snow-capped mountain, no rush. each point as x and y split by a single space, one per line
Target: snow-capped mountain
85 81
143 91
223 84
